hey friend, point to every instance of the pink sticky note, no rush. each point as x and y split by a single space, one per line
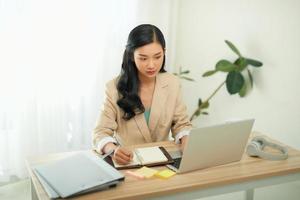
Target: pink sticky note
135 175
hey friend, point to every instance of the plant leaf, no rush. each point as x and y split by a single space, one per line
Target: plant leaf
209 73
204 113
225 66
243 91
253 62
205 104
199 102
241 63
185 72
197 113
187 78
250 77
234 82
233 48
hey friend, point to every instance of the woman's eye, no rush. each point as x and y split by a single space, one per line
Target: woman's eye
143 59
158 57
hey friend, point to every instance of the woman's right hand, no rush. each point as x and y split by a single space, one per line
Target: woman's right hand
122 155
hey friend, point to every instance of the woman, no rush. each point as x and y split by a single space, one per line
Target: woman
144 102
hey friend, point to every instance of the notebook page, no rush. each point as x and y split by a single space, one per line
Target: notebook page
149 155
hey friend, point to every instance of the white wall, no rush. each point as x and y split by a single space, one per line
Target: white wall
265 30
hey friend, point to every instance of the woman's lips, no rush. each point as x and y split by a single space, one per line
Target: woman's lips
150 72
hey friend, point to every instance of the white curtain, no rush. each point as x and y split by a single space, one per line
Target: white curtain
55 57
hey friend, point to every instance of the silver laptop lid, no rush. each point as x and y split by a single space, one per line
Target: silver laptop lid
79 173
215 145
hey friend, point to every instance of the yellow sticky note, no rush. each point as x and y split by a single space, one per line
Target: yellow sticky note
146 172
165 174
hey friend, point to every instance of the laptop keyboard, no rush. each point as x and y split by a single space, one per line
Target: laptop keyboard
177 162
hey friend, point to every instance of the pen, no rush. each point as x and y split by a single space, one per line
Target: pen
120 144
118 140
112 150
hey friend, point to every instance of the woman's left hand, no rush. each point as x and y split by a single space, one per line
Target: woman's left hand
183 141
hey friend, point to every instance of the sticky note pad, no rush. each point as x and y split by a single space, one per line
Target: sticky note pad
146 172
135 175
165 174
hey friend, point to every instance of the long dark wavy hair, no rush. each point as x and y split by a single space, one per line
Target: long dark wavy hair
128 83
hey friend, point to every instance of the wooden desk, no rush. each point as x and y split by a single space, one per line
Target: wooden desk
247 174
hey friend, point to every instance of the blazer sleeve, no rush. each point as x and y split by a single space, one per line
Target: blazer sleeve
106 123
180 120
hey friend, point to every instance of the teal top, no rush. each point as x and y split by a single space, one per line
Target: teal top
147 115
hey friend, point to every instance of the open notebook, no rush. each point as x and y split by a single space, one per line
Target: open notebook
145 156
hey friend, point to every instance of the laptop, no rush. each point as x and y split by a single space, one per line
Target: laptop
213 145
80 173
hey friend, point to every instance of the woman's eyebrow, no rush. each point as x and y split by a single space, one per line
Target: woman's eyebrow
147 55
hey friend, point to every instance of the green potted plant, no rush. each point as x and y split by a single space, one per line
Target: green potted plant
238 75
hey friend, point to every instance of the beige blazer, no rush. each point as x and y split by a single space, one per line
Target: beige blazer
168 112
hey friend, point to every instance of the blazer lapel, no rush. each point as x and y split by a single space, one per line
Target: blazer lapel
158 102
142 125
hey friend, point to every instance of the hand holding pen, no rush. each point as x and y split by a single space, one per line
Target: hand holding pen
120 154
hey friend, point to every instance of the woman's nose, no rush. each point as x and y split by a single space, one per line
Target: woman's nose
151 63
